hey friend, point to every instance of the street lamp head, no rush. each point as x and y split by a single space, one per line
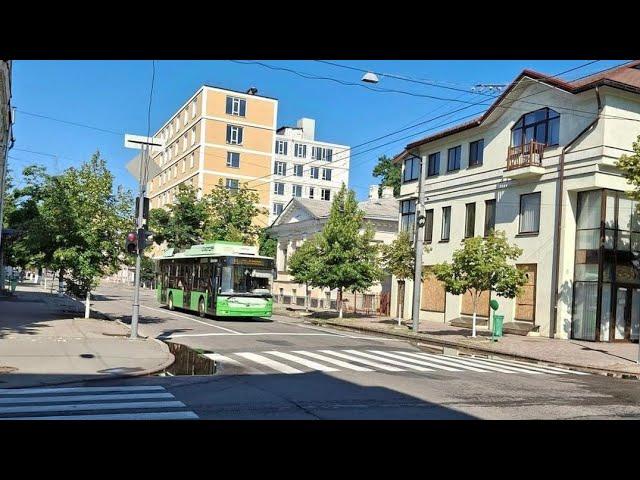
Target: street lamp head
370 77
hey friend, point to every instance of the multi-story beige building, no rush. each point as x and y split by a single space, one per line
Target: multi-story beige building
217 135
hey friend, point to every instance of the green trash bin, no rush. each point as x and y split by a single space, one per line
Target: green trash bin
497 325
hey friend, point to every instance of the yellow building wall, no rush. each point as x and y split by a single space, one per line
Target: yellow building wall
259 110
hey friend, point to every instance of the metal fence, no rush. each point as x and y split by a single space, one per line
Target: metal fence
368 304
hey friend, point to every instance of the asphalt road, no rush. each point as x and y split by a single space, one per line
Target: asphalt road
286 369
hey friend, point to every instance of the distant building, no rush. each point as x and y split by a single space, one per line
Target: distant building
302 218
304 167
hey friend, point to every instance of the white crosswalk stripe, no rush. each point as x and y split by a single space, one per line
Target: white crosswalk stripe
327 360
133 402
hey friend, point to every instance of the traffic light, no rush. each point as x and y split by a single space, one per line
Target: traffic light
131 244
143 237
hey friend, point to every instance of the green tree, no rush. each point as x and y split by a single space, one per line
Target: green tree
268 244
230 214
182 223
482 265
305 265
345 249
390 174
398 257
630 166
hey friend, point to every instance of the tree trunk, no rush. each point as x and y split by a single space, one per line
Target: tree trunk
306 297
87 307
340 303
60 280
473 323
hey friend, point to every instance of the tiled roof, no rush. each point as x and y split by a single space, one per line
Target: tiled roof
385 208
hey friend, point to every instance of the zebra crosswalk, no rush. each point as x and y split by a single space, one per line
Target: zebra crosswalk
370 360
132 402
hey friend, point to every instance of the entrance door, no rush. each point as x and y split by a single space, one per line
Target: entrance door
627 318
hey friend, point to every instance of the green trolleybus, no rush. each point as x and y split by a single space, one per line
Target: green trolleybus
223 279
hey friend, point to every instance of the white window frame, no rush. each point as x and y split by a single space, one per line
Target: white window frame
298 166
229 156
235 133
184 165
283 147
226 184
277 204
293 190
191 159
311 192
317 175
193 108
277 171
193 136
324 174
297 147
322 192
275 188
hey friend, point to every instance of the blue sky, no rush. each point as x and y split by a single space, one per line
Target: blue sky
114 95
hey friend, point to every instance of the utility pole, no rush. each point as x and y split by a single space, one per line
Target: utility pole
419 238
143 144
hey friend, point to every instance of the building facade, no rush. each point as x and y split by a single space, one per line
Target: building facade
302 218
539 165
304 167
219 137
6 141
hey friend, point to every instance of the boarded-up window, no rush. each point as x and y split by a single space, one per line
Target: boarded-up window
483 304
526 301
433 293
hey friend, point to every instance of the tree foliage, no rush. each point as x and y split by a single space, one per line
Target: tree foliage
72 223
630 166
398 258
182 224
390 174
305 263
267 244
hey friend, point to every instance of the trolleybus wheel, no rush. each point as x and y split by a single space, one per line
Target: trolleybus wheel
201 308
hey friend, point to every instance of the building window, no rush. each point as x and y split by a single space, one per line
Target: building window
453 158
300 150
177 123
184 142
280 168
326 174
236 106
319 153
277 208
325 194
232 184
470 220
233 159
489 216
281 147
311 192
193 136
433 167
175 171
297 190
191 160
278 188
542 126
297 170
193 109
529 213
476 150
407 216
234 135
184 165
314 172
446 224
411 169
428 226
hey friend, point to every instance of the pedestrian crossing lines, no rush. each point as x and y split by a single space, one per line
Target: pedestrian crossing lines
369 360
150 402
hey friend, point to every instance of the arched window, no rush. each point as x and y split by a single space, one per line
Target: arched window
542 126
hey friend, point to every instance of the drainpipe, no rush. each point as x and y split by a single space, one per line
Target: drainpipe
556 240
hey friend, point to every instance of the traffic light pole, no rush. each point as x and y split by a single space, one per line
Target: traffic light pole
139 224
418 243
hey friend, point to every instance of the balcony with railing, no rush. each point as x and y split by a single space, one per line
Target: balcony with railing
525 160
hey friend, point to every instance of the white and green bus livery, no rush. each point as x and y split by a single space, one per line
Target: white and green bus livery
223 279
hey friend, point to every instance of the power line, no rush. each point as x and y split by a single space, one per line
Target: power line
83 125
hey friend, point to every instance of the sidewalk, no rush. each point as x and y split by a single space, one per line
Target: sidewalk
44 339
613 359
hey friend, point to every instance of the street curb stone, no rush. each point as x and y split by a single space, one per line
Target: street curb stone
473 349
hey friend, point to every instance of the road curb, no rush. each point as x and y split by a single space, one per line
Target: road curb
479 349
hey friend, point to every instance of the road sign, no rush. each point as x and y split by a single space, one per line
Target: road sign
133 167
138 141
